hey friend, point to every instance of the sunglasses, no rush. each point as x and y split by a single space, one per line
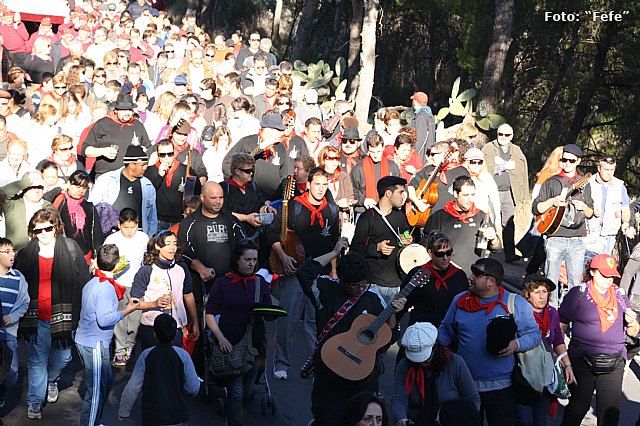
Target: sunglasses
440 254
433 154
349 141
193 103
248 171
479 272
609 160
166 154
569 160
332 159
476 161
284 103
169 51
209 56
65 149
38 231
111 63
505 134
101 75
60 87
254 39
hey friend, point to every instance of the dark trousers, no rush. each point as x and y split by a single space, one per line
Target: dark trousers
498 407
608 395
148 338
507 212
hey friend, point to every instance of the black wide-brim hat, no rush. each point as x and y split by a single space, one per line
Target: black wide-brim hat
124 102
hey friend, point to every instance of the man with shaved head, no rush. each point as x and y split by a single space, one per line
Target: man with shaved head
508 165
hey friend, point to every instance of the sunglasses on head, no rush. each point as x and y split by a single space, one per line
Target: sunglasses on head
440 254
165 154
569 160
248 171
479 272
38 231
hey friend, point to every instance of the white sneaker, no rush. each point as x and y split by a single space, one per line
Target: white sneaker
280 375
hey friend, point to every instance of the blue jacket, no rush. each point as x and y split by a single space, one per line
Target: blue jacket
99 314
14 297
106 190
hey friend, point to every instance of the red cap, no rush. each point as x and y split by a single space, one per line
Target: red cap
124 36
66 31
85 28
420 97
46 22
606 264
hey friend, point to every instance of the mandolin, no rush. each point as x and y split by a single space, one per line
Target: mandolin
290 241
547 223
428 192
352 354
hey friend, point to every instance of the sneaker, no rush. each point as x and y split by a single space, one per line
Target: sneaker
34 410
52 392
120 360
280 375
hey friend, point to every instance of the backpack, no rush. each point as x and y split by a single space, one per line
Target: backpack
108 218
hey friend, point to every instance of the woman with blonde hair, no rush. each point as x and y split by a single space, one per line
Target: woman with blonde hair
212 157
42 129
159 114
487 197
73 116
59 83
181 110
63 156
111 65
40 60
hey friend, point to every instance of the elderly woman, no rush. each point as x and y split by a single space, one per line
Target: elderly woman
536 290
487 197
55 270
600 318
232 297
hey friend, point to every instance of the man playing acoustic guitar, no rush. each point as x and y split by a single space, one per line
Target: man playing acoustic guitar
567 242
343 299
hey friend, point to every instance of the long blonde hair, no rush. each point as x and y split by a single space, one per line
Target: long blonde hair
552 165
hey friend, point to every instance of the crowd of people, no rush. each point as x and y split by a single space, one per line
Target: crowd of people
158 186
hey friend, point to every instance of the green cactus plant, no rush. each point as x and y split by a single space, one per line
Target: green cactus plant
329 83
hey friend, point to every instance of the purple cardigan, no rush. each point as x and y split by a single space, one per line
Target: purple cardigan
578 308
554 336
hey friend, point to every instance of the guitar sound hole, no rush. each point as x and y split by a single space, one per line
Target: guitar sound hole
366 336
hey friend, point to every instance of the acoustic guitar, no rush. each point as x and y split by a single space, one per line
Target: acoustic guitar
352 354
547 223
290 241
428 192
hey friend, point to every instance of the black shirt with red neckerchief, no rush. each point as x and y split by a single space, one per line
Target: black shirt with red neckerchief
445 190
243 199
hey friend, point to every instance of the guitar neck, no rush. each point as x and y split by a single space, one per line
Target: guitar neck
577 185
389 310
285 219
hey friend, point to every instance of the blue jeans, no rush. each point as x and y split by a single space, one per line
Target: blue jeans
12 378
162 225
98 378
572 251
238 389
45 363
534 415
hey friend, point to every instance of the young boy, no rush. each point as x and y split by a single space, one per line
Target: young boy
98 316
166 376
14 297
132 243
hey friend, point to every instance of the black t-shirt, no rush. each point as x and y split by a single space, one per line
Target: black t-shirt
130 195
502 179
445 192
246 202
169 198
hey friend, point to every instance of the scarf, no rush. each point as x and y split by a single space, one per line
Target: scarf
440 280
449 207
180 148
235 277
134 88
117 287
471 303
543 320
76 212
351 160
423 378
370 176
447 166
242 187
113 116
63 163
168 176
316 211
68 274
607 306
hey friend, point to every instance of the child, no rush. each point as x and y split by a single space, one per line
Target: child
132 244
164 397
15 301
189 205
98 316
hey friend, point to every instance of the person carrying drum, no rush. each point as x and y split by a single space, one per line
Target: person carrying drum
381 232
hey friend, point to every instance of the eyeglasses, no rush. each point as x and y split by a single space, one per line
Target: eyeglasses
101 75
349 141
505 134
60 87
11 251
166 154
332 159
65 149
569 160
479 272
440 254
248 171
477 162
38 231
284 103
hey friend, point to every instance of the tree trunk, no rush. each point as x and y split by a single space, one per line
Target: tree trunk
494 62
305 30
277 16
367 72
355 45
193 6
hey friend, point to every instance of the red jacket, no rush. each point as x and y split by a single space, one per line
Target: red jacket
15 40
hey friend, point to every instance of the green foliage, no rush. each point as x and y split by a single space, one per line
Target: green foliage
321 77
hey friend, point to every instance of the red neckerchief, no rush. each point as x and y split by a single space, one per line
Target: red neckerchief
113 116
117 287
571 179
242 187
302 186
449 207
607 306
180 148
338 138
415 377
234 278
544 321
440 280
316 211
169 173
370 176
351 160
312 147
135 87
471 303
447 166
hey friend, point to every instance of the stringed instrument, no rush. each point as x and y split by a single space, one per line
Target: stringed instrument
428 192
352 354
547 223
290 241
